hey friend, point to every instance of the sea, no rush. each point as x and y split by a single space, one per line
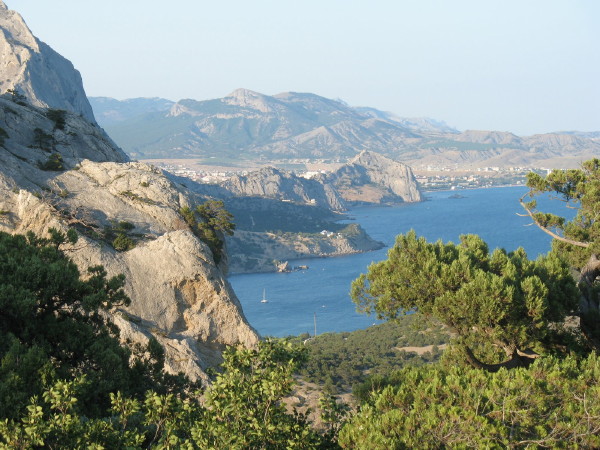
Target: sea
318 298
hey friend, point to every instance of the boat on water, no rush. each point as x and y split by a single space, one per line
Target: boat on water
264 299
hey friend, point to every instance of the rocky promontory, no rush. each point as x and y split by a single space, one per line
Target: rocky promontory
264 252
59 170
373 178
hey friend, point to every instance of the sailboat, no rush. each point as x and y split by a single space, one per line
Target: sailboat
264 299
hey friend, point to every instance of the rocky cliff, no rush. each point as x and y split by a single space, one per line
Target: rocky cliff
285 186
373 178
58 169
34 70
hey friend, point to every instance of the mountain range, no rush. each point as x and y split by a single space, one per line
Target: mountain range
249 126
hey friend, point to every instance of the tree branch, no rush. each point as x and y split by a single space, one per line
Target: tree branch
518 359
550 232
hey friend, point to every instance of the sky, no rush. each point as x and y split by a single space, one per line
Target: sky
522 66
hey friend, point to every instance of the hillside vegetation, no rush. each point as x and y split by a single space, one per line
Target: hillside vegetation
513 375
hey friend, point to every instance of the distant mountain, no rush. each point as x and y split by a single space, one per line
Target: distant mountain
250 125
110 111
247 125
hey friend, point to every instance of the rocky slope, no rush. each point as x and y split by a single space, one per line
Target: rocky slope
253 126
280 216
59 169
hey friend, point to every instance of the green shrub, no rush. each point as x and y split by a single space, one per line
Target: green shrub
42 140
215 222
58 117
3 136
54 163
123 243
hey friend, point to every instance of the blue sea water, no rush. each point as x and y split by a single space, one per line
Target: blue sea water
323 290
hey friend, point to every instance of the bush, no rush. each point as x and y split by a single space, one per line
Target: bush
215 222
58 117
3 136
552 404
42 140
123 243
54 163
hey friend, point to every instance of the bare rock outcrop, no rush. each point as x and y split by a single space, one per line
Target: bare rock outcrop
36 71
373 178
282 185
178 294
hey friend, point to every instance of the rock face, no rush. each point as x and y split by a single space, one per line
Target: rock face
36 71
178 294
367 178
373 178
283 185
59 169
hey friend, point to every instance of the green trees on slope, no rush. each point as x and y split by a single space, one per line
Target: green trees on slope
51 328
241 410
552 404
577 240
66 382
507 313
215 221
502 307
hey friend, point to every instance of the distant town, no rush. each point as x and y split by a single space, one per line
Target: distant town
430 178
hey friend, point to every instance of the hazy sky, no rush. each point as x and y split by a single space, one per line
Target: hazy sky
523 66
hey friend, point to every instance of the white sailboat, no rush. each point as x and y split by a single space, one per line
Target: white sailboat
264 299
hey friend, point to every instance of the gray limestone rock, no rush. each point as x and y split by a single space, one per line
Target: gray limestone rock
283 185
36 71
373 178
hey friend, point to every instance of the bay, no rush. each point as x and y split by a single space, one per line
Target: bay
322 291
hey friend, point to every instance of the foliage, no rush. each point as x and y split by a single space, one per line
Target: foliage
241 410
499 305
215 221
334 415
244 401
133 196
17 97
51 327
3 136
42 140
53 163
118 234
578 239
553 403
122 243
58 116
344 360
